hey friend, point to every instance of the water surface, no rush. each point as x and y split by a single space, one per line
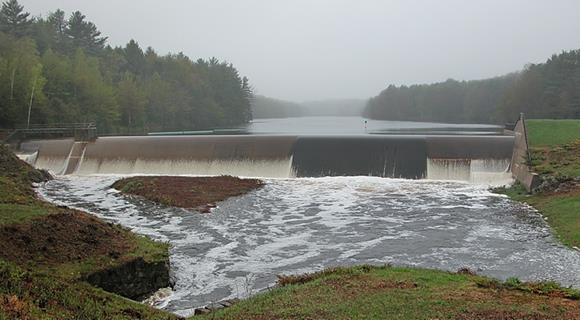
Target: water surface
300 225
359 125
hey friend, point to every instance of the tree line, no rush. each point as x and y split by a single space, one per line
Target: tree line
62 69
545 90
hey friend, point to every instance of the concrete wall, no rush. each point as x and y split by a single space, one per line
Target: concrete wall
521 171
395 156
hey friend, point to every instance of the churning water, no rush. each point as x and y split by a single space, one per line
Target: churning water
300 225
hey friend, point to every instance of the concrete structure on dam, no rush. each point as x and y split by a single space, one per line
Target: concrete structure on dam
521 159
484 159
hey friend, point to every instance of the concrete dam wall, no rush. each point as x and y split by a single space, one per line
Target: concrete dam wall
468 158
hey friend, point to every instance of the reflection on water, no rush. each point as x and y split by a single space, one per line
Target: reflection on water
302 225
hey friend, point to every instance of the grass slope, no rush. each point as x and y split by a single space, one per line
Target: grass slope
561 210
543 133
31 295
555 151
367 292
557 160
45 251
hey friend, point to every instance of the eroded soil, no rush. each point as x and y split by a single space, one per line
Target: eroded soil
200 193
65 237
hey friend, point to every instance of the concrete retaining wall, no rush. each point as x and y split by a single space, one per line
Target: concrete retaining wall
520 168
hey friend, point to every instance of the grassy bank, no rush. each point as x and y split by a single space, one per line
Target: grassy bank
47 251
555 152
562 211
29 294
366 292
550 133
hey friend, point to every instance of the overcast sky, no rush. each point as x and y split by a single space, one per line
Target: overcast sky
317 49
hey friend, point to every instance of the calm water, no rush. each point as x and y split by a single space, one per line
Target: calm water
300 225
356 125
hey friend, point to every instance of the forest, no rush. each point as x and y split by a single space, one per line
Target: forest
544 90
60 69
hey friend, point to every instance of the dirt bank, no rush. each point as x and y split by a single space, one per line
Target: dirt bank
48 252
200 193
63 237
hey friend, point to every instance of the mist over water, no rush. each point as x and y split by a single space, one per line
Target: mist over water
301 225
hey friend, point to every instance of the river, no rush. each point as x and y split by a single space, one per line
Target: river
301 225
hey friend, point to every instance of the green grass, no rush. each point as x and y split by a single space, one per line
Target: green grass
559 160
562 211
18 213
366 292
130 186
13 191
543 133
29 295
555 150
150 251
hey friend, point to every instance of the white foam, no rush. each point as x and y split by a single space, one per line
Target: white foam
29 158
306 224
492 172
54 165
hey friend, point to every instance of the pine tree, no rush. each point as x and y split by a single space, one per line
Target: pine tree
135 58
84 34
58 21
14 20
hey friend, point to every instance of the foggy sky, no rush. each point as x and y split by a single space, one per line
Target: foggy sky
317 49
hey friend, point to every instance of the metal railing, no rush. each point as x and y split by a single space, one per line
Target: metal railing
80 125
79 131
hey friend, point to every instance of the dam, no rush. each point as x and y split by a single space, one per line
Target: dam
350 195
439 157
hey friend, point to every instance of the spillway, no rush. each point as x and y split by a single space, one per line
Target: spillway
467 158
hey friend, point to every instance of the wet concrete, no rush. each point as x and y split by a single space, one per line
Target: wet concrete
394 156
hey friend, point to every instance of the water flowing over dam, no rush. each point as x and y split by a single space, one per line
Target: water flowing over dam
466 158
323 204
